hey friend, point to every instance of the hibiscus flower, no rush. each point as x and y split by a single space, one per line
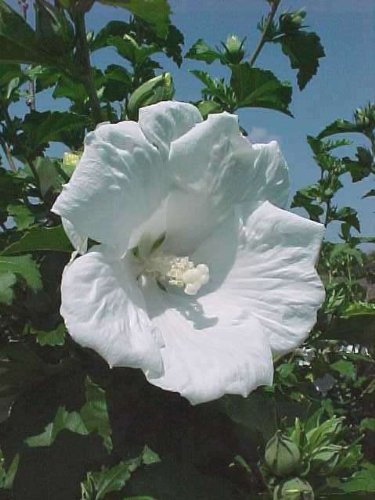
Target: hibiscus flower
200 276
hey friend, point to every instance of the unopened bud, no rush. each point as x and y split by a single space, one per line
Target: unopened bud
325 459
293 489
70 161
282 455
234 51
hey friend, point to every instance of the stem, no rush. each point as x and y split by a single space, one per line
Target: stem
83 56
31 98
328 213
262 41
8 155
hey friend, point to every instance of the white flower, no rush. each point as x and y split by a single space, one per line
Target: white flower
199 277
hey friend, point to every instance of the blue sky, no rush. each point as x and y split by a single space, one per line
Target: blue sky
345 79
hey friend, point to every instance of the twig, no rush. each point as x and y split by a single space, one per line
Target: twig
8 155
262 41
83 55
30 101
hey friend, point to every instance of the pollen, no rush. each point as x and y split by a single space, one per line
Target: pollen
177 271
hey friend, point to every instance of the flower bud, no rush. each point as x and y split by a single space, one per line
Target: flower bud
282 455
292 21
159 88
325 459
293 489
70 161
234 52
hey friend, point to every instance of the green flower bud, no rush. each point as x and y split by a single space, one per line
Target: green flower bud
293 489
291 21
282 455
70 161
155 90
234 52
325 459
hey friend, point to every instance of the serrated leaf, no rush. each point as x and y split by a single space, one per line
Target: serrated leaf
304 51
23 266
348 215
367 424
47 126
155 12
149 457
95 412
54 337
7 281
339 127
369 193
41 238
200 51
359 309
22 215
64 420
260 88
361 481
93 417
99 484
21 44
345 368
208 107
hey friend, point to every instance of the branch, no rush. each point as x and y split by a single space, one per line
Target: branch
262 41
83 59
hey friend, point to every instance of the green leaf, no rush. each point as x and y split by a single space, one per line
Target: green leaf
324 433
339 127
361 481
7 280
359 309
54 337
208 107
95 412
23 266
367 424
155 90
155 12
260 88
41 238
345 368
17 39
93 417
22 216
200 51
348 215
21 44
117 83
99 484
304 51
64 420
149 457
256 412
7 476
47 126
369 193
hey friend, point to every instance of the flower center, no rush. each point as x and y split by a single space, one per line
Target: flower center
173 270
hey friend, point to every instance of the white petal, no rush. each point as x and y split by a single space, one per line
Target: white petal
118 184
208 165
268 178
273 276
207 357
214 167
103 309
166 121
78 241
